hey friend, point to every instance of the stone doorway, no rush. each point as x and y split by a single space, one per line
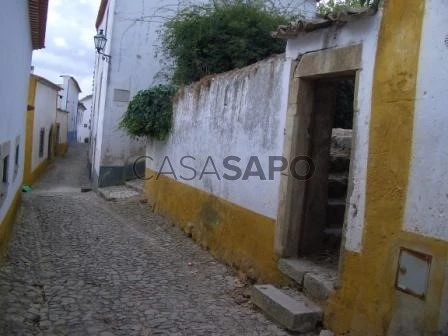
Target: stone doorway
323 201
311 212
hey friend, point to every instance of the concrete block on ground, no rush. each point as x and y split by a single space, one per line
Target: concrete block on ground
319 286
117 192
293 268
295 314
326 333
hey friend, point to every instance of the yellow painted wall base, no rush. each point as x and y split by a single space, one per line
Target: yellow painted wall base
62 149
367 302
29 139
237 236
7 223
34 175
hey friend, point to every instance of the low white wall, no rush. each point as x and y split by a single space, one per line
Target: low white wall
44 117
14 69
238 113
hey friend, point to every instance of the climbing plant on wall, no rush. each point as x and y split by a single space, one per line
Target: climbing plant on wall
220 36
150 113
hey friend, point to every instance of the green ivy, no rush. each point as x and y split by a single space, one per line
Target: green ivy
220 36
150 113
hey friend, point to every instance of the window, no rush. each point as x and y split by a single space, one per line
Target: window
41 142
5 169
85 125
16 158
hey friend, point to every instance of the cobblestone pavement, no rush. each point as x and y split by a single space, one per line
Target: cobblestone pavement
79 265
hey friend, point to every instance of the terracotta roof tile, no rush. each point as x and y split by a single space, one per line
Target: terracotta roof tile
38 10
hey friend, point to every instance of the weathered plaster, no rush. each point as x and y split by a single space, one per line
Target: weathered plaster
239 113
367 302
362 32
14 69
236 235
427 199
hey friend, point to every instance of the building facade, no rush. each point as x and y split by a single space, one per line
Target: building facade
68 102
41 127
131 31
132 67
84 124
26 19
61 131
383 269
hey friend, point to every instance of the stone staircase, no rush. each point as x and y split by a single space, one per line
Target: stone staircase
300 309
339 166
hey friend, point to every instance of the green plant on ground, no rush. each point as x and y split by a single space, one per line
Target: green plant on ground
150 113
220 36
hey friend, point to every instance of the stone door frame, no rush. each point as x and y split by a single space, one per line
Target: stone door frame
335 62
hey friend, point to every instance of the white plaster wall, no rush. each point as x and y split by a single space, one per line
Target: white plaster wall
240 113
15 55
132 32
100 82
426 207
84 132
69 103
62 119
131 28
44 117
364 31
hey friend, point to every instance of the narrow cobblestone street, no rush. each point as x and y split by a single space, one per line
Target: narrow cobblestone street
79 265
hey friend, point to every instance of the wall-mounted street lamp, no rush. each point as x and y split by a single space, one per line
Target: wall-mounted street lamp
100 42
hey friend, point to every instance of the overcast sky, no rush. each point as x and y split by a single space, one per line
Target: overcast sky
69 48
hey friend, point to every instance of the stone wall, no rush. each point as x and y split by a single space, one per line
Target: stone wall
240 113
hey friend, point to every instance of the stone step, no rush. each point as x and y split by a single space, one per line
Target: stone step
335 213
316 281
294 313
337 185
339 163
332 238
137 185
117 192
341 139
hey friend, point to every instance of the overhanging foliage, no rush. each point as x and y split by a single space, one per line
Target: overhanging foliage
220 36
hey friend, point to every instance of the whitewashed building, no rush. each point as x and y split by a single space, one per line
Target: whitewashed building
68 102
84 123
130 27
22 30
41 128
387 274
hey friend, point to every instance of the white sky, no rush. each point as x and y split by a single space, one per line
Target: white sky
69 48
